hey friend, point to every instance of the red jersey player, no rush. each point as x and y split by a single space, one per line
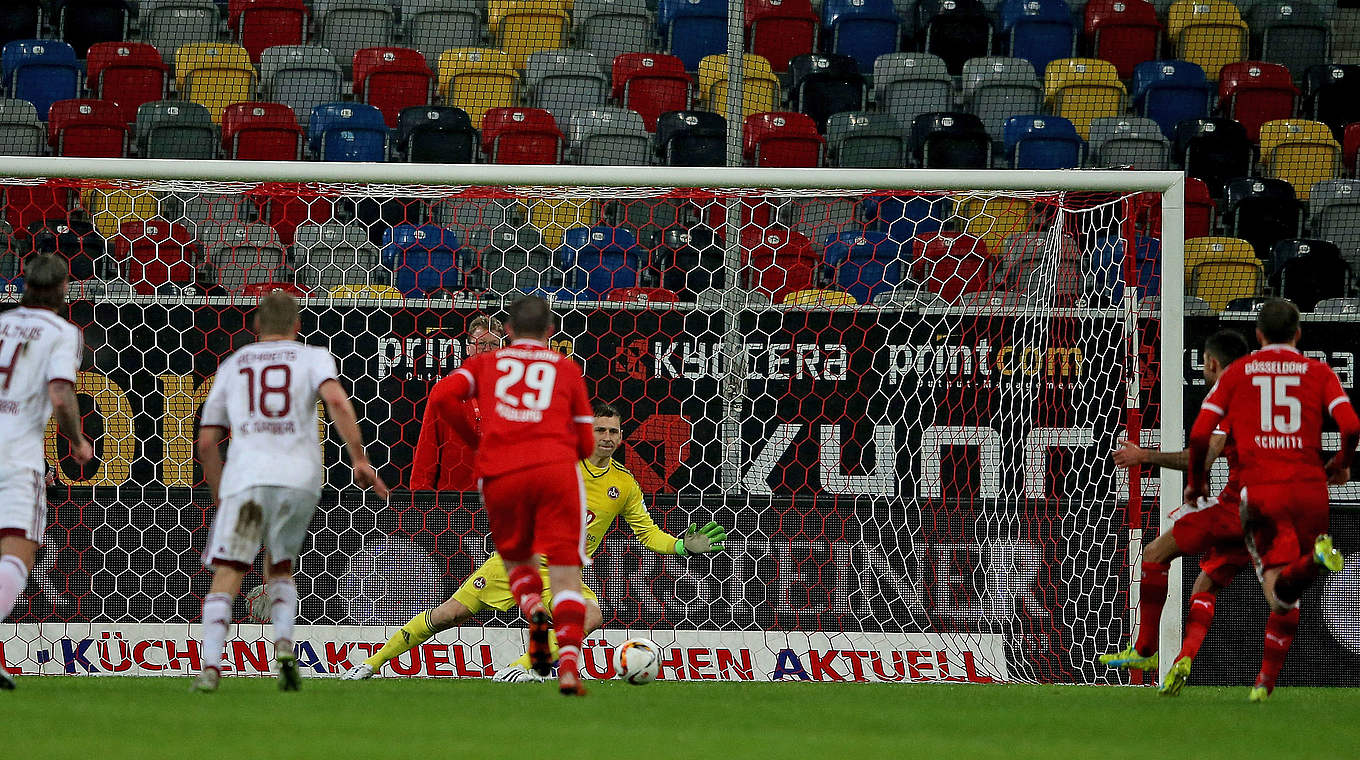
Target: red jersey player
1274 401
1211 529
536 423
444 453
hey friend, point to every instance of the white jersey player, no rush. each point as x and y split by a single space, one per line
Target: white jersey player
39 357
265 396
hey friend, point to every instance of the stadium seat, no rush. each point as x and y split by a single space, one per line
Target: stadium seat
87 128
1299 152
642 295
610 28
1109 275
691 30
83 23
1209 33
86 252
563 81
1334 214
1200 208
822 85
347 132
1082 90
1169 92
1331 94
651 84
861 29
1294 33
175 129
1308 270
128 73
21 20
41 72
955 30
760 88
345 27
865 263
781 138
906 216
170 24
243 254
392 79
688 262
552 218
424 259
366 292
1214 150
777 261
285 212
1025 264
1253 93
214 75
156 252
26 204
996 88
864 140
257 25
609 137
1221 269
1043 142
1123 32
909 297
261 289
21 134
1038 31
261 132
1261 211
950 140
951 264
1338 306
1133 141
301 77
596 260
994 218
818 298
691 138
507 261
475 79
523 27
780 30
433 26
521 136
436 135
910 84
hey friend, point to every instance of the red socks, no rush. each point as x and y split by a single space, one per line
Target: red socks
527 586
1151 599
569 615
1197 623
1280 630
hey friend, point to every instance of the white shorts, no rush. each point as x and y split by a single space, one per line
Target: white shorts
23 502
275 516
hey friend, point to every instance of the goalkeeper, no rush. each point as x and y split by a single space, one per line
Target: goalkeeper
611 491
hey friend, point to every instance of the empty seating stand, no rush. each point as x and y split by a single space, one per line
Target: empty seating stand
436 134
347 132
599 259
301 77
1254 92
950 140
83 23
910 84
561 81
1043 142
476 79
1213 150
1132 141
392 79
955 30
610 28
691 138
433 26
21 134
214 75
128 73
175 129
865 140
692 29
996 88
1039 31
780 30
861 29
261 132
609 136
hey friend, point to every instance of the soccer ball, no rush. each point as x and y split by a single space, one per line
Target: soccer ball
637 661
258 605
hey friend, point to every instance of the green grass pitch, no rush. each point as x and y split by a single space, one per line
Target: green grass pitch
56 717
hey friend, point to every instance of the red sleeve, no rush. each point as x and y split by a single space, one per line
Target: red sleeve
582 416
425 465
1211 412
464 423
1340 408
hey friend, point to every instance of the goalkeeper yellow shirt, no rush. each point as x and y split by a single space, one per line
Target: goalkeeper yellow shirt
611 492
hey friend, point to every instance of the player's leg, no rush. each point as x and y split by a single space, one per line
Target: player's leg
561 538
486 587
287 512
520 670
233 542
1203 596
510 502
1156 564
23 521
16 557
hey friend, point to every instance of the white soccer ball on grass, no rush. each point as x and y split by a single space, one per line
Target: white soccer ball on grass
637 661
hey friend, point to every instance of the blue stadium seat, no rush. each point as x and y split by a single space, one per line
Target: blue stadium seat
595 260
424 259
866 262
861 29
1039 30
906 217
692 29
1107 268
347 132
1043 142
41 72
1168 92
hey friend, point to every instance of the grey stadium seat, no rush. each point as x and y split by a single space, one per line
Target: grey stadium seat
21 134
907 85
433 26
1134 141
512 259
996 88
1335 210
1152 306
300 76
909 298
608 137
350 25
1294 33
609 28
167 24
1022 265
175 129
860 139
244 254
563 81
335 254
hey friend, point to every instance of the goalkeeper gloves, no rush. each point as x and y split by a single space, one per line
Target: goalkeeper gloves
703 540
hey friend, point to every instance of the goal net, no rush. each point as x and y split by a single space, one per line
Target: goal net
899 394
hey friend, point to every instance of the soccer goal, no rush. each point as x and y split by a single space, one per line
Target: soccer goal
900 390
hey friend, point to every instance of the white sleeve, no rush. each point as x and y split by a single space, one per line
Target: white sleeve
215 407
64 362
323 368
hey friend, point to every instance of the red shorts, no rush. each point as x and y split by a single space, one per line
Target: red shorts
1290 517
1215 533
540 510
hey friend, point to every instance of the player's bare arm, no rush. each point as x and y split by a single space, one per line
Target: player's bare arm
1129 454
341 412
66 411
210 456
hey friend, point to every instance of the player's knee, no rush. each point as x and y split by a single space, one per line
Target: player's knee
1162 549
594 617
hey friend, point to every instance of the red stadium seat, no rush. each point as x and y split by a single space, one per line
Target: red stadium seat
261 289
521 136
1123 32
261 132
1255 92
781 138
156 252
778 30
128 73
87 128
651 84
26 204
951 264
1199 211
778 261
391 79
643 295
1350 148
259 24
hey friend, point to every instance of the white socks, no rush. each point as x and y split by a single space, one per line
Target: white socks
13 579
216 618
283 599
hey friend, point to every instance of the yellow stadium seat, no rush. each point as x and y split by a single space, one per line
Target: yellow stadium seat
818 297
214 75
1219 269
1300 152
992 220
475 79
110 208
1082 90
554 217
521 27
365 291
1209 33
758 80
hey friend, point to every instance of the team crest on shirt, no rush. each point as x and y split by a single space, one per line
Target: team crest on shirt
479 582
590 517
613 492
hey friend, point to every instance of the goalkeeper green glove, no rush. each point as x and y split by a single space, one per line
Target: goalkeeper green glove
703 540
